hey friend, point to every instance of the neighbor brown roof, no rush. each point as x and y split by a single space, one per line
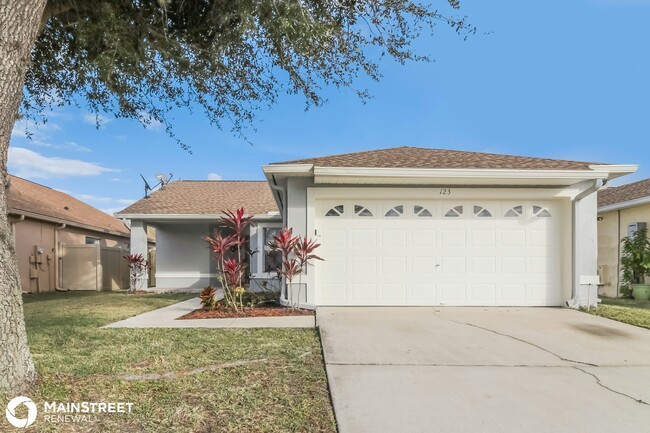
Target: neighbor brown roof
40 200
200 197
624 193
419 157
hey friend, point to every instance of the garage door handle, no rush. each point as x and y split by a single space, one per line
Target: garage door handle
437 266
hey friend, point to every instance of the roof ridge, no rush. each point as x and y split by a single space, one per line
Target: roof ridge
35 183
218 180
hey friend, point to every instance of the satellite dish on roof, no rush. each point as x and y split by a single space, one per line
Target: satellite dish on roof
163 180
162 177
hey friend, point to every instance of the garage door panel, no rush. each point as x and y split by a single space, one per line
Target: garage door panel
454 237
424 293
334 237
513 238
484 265
363 238
513 265
483 294
335 293
424 265
453 265
393 237
512 294
363 292
483 238
395 293
453 293
394 264
334 265
363 264
423 237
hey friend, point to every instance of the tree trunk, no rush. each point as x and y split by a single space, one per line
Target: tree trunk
19 26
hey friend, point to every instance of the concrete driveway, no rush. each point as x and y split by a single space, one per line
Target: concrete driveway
470 370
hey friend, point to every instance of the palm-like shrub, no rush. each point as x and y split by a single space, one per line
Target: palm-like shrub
635 260
229 253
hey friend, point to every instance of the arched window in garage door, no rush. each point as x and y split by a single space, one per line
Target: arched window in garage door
482 212
335 211
541 212
362 211
455 212
395 211
421 211
514 212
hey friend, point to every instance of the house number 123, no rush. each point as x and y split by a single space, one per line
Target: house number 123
445 191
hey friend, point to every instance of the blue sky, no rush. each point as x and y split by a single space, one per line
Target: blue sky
566 79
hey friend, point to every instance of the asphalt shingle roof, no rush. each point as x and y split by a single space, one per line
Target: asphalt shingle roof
201 197
624 193
419 157
35 198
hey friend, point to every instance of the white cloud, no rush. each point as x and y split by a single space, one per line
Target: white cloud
96 119
111 210
125 201
25 128
214 176
39 135
90 197
26 163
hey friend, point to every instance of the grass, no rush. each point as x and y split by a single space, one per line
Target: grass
79 361
629 311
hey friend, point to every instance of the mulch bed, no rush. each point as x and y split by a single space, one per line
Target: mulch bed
261 311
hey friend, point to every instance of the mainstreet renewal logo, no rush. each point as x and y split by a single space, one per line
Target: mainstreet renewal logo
31 412
54 412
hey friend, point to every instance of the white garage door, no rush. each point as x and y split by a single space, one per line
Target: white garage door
470 252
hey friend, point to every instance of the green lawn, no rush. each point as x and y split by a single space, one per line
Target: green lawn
284 389
625 310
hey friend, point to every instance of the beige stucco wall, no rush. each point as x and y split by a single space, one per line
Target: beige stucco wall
610 232
31 233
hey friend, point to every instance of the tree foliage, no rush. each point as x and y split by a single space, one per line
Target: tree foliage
141 59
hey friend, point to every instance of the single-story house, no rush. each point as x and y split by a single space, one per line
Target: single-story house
622 211
401 226
46 221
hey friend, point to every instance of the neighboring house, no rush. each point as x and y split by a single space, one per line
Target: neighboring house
44 222
621 211
402 226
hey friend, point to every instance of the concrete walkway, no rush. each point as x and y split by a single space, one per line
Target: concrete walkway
489 370
166 318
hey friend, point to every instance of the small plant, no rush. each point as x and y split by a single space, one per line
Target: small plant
137 267
635 260
208 298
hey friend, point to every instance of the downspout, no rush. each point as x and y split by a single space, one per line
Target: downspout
597 184
57 259
20 219
282 194
618 255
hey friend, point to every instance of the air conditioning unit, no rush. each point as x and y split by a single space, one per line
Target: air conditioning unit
632 228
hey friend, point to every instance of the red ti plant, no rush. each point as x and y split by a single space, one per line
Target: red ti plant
231 269
304 251
137 266
296 254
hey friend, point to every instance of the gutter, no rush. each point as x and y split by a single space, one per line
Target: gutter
597 184
624 205
57 259
41 217
282 196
